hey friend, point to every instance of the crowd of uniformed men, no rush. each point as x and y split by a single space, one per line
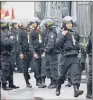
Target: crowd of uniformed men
37 44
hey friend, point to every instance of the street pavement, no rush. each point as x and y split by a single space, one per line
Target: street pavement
47 94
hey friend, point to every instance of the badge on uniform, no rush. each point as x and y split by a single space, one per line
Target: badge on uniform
52 36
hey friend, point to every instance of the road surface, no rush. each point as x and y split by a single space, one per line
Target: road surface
27 94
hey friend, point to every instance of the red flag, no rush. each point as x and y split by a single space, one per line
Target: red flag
13 16
6 13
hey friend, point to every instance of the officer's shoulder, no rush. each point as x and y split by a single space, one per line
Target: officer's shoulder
32 30
20 31
75 32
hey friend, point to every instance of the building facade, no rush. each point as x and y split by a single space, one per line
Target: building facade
81 11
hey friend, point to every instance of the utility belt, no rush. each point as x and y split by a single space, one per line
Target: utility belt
70 52
25 50
5 53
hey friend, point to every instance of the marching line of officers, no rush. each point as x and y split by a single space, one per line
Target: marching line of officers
53 57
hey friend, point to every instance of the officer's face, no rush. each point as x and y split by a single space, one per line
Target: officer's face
38 28
16 26
69 25
42 29
34 25
25 26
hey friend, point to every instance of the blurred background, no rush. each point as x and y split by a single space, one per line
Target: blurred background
81 11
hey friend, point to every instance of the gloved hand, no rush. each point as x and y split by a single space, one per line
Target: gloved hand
35 56
21 56
43 55
64 32
11 37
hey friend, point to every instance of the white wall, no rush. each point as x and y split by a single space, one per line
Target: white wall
22 9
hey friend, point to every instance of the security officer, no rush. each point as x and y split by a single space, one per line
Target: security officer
23 47
14 32
89 52
7 46
70 50
19 61
50 51
37 49
69 83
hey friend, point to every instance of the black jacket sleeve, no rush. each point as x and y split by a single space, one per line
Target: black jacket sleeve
20 42
60 41
51 42
6 41
77 36
89 45
31 43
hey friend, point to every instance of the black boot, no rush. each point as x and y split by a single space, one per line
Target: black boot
52 85
7 88
28 84
89 91
69 83
42 83
4 87
38 82
77 92
13 86
89 96
58 87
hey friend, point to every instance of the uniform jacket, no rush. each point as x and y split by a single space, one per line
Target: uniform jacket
6 42
50 41
69 43
89 45
23 45
34 43
14 33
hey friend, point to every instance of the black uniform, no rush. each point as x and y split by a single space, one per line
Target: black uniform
0 71
70 51
19 63
69 70
36 46
14 52
23 47
51 55
89 51
7 46
83 54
